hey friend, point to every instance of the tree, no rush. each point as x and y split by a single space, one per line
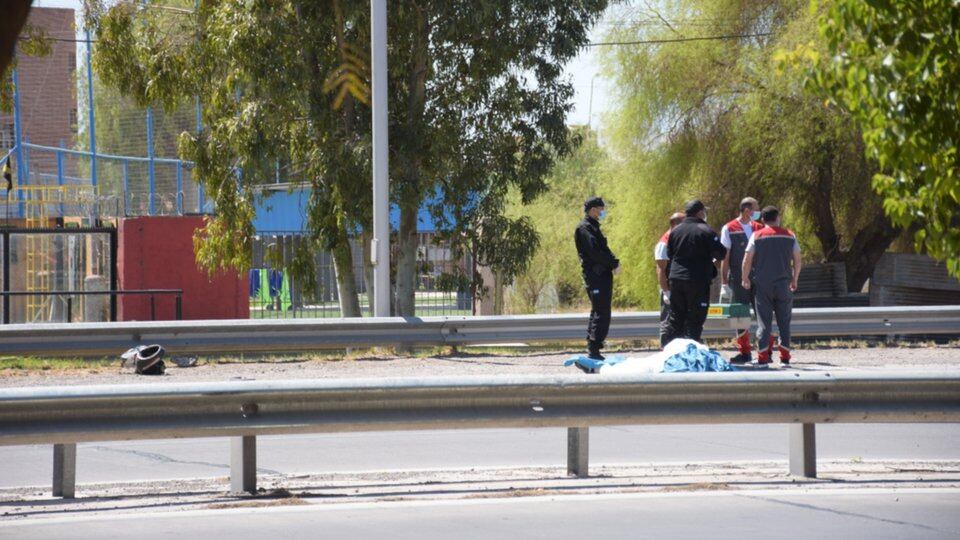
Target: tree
477 105
716 119
894 66
13 21
554 215
277 82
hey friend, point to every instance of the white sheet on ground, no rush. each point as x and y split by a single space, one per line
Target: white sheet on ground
652 363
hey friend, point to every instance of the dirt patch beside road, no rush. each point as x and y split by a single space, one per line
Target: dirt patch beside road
472 362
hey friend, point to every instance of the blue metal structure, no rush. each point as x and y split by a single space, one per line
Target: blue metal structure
91 117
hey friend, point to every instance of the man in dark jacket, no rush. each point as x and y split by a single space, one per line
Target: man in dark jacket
692 247
599 266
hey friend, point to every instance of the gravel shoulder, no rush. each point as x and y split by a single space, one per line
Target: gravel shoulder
475 361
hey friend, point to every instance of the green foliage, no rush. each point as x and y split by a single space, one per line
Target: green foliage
478 105
480 111
717 120
33 41
269 78
895 66
554 215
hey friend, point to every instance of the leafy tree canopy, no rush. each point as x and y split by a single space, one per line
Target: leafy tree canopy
716 119
477 104
894 66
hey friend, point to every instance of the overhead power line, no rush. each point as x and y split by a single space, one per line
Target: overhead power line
677 40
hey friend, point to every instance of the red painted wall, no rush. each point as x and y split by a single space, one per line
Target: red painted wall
157 253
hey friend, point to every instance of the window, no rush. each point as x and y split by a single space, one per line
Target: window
73 120
7 136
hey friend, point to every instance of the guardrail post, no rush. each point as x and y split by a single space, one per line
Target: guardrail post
243 464
578 451
65 470
803 450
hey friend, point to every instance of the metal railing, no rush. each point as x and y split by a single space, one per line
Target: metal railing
228 336
64 416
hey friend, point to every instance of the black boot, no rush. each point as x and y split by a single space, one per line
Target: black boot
593 351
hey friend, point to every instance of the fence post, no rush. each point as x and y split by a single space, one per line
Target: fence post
65 470
578 451
126 185
6 276
179 313
803 450
243 464
60 177
69 309
179 188
91 120
152 180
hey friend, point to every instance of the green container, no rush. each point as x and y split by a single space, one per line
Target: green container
728 311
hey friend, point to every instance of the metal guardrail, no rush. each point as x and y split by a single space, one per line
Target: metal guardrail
228 336
64 416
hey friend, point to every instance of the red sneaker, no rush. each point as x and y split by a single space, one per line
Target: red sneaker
784 355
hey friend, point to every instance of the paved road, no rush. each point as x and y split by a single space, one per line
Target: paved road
349 452
719 515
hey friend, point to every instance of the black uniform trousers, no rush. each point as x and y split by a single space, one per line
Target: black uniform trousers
600 290
689 301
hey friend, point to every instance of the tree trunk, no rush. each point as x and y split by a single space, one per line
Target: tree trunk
411 150
407 262
868 246
346 283
822 209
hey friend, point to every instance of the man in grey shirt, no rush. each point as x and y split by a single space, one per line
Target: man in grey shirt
773 255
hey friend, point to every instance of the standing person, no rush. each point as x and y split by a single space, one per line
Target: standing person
770 252
663 270
692 247
734 236
599 266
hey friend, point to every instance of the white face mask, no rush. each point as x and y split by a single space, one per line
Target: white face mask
755 216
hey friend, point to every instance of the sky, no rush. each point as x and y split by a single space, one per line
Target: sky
583 71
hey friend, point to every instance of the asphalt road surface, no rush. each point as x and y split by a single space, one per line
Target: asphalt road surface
922 513
422 450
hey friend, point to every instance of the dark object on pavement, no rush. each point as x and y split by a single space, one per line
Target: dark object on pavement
149 360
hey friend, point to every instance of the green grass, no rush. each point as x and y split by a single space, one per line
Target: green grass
424 311
46 364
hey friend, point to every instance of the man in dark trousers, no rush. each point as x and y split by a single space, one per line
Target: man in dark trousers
663 269
599 266
734 236
773 256
692 247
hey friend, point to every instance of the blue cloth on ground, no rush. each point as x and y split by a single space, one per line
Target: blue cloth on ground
694 359
592 363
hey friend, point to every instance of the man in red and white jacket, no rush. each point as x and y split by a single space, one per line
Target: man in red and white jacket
734 236
663 270
773 254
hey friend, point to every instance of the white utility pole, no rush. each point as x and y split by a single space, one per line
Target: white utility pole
380 248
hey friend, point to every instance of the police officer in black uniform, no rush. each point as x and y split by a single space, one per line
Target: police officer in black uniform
599 266
693 247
